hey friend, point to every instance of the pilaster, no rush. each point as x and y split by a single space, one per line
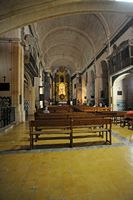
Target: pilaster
98 88
17 80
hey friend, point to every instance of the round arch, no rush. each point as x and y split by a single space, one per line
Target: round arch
20 13
119 91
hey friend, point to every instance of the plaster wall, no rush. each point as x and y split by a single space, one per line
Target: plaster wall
5 65
119 94
84 89
128 35
14 34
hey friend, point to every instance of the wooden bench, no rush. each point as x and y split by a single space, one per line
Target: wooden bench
69 127
127 121
63 115
46 126
57 108
130 123
85 108
92 125
119 117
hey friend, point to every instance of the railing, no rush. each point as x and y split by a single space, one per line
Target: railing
7 116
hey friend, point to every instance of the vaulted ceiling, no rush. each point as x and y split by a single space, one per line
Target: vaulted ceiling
70 33
73 41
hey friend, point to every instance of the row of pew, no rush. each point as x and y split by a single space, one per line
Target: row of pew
70 127
67 122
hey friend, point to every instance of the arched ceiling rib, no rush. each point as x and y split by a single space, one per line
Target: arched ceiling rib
71 32
75 38
65 61
61 47
61 44
18 13
72 29
115 21
104 23
67 46
63 56
87 32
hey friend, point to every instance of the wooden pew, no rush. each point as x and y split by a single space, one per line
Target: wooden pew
93 125
119 117
57 108
39 116
85 108
70 126
127 121
130 123
46 126
64 115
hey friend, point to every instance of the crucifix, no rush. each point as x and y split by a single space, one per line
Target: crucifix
4 79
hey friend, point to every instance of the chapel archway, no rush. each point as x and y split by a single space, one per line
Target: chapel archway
122 92
62 86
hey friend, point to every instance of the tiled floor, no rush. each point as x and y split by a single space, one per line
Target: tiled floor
101 172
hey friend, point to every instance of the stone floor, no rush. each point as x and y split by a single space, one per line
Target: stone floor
98 172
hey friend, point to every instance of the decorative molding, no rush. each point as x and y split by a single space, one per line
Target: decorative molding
9 40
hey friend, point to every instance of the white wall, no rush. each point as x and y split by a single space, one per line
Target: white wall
118 100
5 65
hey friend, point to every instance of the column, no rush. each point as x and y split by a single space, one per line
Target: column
98 88
78 88
17 80
47 87
32 101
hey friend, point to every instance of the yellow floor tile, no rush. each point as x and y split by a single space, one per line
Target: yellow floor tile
81 173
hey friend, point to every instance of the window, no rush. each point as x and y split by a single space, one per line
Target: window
119 92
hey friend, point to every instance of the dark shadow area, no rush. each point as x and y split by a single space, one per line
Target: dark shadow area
23 148
67 145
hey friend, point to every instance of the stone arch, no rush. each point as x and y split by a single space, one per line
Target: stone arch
23 13
122 92
104 24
